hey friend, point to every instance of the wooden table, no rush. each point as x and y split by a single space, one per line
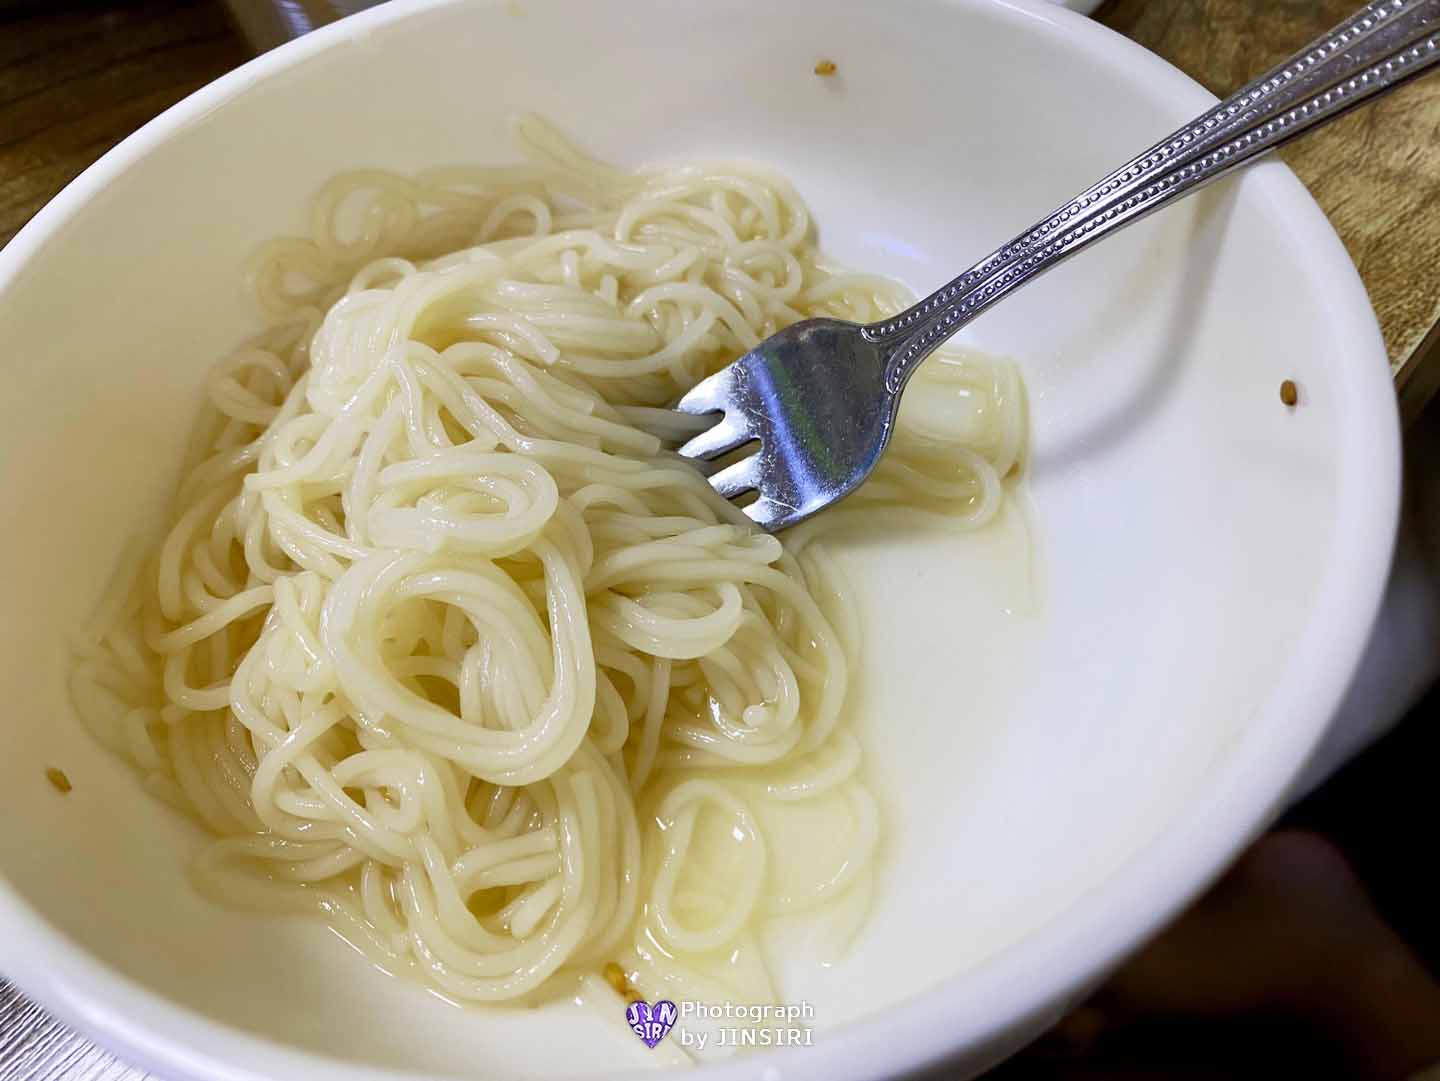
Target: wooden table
75 78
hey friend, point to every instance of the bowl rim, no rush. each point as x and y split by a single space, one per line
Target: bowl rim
966 1011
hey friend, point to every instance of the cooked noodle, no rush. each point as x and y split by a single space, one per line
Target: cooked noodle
443 645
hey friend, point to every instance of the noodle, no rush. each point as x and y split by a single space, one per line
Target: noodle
442 645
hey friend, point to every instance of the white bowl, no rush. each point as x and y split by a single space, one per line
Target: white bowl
1055 784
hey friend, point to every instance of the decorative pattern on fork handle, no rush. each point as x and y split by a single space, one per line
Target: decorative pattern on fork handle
1368 53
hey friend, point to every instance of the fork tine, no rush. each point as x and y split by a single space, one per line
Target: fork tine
737 478
768 514
730 433
710 395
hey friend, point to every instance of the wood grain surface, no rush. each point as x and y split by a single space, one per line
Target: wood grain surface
75 79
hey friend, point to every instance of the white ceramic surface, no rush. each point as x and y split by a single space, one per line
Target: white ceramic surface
1068 746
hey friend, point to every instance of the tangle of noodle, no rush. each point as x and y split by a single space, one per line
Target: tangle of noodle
442 645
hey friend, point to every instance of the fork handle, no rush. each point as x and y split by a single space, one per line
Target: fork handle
1376 49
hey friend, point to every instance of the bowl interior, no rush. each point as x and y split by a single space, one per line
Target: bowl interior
1043 703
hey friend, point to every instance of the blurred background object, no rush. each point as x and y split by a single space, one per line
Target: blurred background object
267 23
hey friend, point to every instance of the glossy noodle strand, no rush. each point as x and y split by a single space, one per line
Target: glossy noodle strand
443 645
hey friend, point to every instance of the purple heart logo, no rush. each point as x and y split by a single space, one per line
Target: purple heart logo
651 1023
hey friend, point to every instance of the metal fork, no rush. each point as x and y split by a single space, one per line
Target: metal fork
821 396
